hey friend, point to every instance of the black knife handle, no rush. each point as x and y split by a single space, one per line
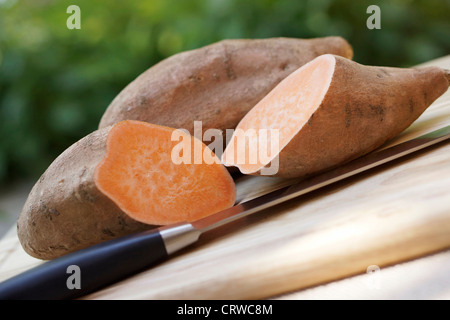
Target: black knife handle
96 266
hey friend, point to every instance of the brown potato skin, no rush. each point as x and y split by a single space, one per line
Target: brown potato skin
364 107
217 84
65 211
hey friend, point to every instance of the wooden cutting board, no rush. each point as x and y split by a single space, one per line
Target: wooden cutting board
390 214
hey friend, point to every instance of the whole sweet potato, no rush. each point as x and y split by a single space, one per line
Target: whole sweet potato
217 84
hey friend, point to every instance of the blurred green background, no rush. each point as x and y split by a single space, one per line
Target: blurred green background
55 83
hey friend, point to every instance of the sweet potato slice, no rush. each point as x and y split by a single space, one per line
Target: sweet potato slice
116 181
330 111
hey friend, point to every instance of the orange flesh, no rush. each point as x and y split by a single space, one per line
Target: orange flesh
138 174
287 108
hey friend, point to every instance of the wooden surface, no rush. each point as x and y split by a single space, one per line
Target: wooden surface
389 215
424 278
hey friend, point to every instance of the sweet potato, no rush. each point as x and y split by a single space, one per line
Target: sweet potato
118 180
217 84
330 111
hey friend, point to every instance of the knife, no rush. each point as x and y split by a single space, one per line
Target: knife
111 261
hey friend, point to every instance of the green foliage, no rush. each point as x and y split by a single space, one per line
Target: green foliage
55 83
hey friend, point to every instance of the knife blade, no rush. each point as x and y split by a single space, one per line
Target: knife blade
111 261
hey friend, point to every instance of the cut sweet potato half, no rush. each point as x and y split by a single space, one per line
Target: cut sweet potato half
140 176
117 181
329 112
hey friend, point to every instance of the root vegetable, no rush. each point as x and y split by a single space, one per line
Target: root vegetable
116 181
217 84
330 111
